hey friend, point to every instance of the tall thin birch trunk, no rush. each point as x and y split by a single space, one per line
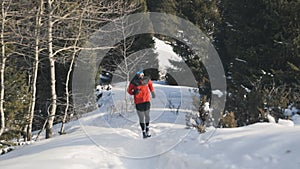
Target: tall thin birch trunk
51 114
38 20
62 129
2 70
3 64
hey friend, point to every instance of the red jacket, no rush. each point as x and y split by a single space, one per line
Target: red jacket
144 86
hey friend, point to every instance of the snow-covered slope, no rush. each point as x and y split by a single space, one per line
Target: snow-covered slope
165 55
109 139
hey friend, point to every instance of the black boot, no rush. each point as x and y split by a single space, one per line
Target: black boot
143 126
147 130
144 134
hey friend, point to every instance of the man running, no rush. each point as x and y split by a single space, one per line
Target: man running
141 86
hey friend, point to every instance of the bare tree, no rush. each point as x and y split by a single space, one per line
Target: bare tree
57 15
38 25
73 57
83 18
4 8
93 15
123 62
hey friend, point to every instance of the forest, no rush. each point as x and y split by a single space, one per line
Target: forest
258 42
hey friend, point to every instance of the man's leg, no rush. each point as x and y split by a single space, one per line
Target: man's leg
147 120
147 113
141 115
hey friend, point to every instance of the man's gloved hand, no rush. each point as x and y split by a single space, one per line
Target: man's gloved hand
135 92
153 94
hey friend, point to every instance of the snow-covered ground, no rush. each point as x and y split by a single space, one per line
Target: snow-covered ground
165 55
110 139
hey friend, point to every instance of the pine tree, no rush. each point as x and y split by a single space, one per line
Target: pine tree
166 6
17 98
204 14
257 40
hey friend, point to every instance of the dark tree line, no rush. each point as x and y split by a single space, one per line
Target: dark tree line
258 42
259 45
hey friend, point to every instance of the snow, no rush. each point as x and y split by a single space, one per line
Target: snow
291 110
247 89
206 107
103 140
218 93
296 119
288 112
240 60
165 55
286 122
271 119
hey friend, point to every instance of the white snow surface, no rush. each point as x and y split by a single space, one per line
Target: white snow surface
218 93
104 139
165 55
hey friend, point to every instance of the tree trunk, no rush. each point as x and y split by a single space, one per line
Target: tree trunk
2 70
51 114
62 129
35 70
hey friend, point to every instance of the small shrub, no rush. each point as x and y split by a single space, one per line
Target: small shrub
228 120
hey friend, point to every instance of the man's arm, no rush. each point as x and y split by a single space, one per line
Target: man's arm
150 85
130 89
151 88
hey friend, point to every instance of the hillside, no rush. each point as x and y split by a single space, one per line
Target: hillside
104 140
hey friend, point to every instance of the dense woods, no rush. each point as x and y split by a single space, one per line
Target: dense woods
258 42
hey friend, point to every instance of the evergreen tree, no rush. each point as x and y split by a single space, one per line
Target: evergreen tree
17 99
166 6
203 13
258 45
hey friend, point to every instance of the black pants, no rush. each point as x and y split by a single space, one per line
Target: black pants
143 110
143 106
